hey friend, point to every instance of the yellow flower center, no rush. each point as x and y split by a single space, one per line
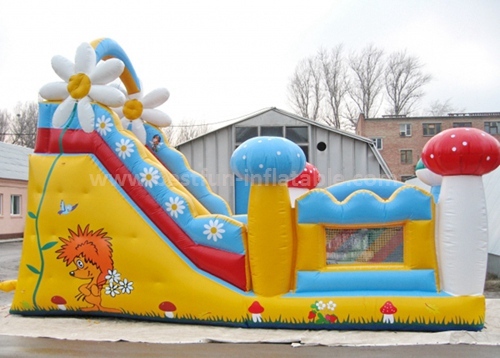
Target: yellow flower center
213 230
102 125
149 177
123 148
132 109
79 85
174 207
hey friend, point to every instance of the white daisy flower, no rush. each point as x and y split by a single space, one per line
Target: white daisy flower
138 109
113 276
83 82
214 230
125 148
331 305
149 177
126 286
175 206
104 125
320 305
112 289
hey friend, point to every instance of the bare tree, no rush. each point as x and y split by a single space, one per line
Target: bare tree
367 82
438 108
184 131
404 80
4 125
24 126
304 89
336 83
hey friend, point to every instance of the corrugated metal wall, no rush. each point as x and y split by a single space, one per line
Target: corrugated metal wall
345 157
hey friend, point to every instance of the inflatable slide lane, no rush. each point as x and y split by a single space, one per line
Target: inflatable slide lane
120 226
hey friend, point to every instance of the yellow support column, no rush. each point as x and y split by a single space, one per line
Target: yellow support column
269 163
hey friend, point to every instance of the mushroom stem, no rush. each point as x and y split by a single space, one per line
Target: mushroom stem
270 239
257 317
462 235
388 318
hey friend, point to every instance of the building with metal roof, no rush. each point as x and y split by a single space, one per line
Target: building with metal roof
337 154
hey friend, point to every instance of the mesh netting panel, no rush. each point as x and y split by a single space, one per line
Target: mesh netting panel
375 245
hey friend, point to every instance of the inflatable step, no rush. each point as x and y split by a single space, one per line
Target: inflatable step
345 281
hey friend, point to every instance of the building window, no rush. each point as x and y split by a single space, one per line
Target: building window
406 156
492 127
298 135
405 130
378 143
244 133
431 129
271 131
1 204
15 205
462 124
367 245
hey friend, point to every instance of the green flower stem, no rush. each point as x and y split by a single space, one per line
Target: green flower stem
40 204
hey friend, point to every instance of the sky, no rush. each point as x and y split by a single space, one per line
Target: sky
222 59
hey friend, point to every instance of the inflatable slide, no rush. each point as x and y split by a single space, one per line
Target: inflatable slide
120 226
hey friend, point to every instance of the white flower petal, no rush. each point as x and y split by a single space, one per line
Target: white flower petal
125 122
119 111
63 67
155 98
86 114
139 131
136 95
85 59
107 95
63 112
54 91
107 71
156 117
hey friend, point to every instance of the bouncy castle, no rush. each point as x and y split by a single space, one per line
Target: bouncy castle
119 225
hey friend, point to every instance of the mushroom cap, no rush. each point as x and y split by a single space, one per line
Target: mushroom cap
309 178
268 160
167 306
58 300
255 307
388 308
426 176
462 151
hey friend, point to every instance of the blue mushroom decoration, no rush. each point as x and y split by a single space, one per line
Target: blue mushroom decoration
267 160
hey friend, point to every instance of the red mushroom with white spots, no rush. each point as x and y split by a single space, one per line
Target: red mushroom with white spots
462 156
308 179
388 310
256 310
169 308
59 301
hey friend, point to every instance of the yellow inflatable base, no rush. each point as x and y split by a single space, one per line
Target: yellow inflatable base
88 250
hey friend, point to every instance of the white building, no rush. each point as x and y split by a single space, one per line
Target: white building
13 189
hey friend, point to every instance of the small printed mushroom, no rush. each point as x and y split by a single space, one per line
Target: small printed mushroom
256 310
308 179
388 310
168 308
461 156
60 302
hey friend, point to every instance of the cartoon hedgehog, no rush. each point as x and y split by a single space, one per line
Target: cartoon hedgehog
91 253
